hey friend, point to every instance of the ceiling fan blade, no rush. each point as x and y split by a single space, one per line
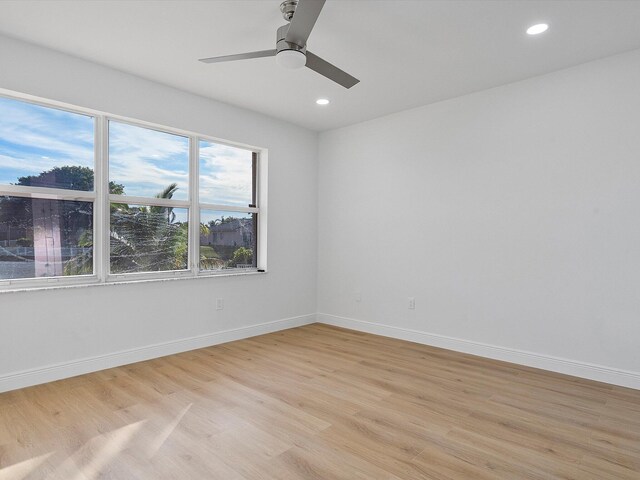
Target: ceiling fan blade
303 20
240 56
332 72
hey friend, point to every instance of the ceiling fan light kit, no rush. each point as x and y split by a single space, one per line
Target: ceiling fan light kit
291 59
291 43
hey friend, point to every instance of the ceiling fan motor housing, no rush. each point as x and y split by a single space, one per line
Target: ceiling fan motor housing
289 55
282 44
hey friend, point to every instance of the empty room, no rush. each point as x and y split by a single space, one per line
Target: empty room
320 239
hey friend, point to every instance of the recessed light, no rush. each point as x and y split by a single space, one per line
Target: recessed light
322 101
537 28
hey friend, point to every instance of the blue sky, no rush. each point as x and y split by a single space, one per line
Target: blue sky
34 139
225 175
147 161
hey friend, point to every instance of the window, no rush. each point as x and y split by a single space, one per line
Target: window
144 162
151 167
228 211
41 237
47 191
91 198
45 147
148 238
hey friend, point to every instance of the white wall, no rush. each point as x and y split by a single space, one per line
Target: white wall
512 215
44 328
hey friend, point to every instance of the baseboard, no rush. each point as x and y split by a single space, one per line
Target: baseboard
59 371
575 368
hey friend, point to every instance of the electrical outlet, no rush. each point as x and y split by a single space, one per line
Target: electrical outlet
358 296
412 303
220 304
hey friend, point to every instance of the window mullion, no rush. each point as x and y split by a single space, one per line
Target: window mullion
229 208
261 194
150 201
104 206
194 211
46 193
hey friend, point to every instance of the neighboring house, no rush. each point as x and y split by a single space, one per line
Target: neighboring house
234 232
47 250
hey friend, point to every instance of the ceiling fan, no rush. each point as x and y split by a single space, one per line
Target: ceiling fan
291 43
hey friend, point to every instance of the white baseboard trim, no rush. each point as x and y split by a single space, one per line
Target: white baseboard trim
50 373
590 371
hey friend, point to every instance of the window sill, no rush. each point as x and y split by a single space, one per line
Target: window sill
132 281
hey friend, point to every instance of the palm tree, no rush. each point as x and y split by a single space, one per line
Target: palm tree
147 239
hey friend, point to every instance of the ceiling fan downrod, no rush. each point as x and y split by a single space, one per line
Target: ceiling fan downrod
288 8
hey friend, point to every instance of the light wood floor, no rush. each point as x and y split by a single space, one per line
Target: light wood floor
319 402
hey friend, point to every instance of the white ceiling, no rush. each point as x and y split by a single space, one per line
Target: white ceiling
406 53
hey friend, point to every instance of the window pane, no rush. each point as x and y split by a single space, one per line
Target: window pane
148 163
45 147
45 238
148 239
227 240
226 175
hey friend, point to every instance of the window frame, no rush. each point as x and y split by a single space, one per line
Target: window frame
101 199
227 208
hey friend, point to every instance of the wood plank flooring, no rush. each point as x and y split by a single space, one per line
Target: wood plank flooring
319 402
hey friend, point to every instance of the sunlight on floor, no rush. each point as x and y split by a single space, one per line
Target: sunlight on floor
21 470
88 461
166 432
92 459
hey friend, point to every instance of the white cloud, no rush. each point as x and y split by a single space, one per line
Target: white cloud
146 161
61 136
225 174
34 139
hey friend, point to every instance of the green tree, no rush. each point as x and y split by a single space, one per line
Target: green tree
74 217
241 256
147 239
67 178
